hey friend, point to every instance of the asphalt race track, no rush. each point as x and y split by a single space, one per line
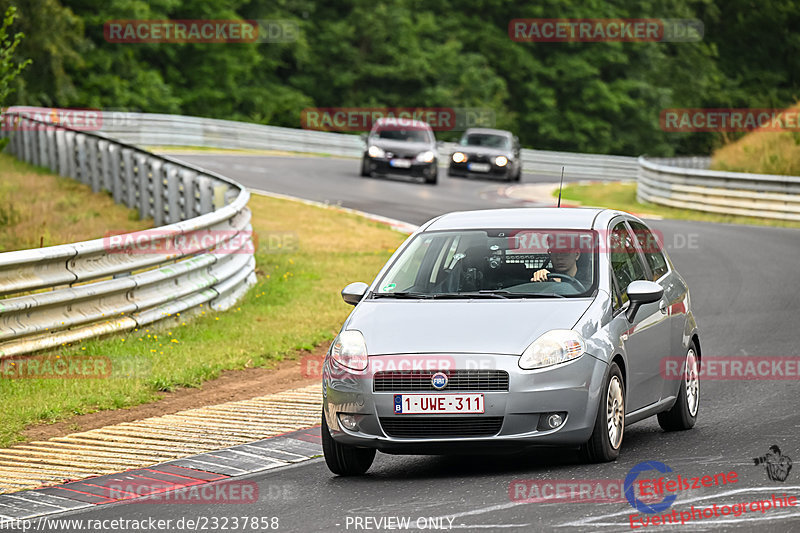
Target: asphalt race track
743 283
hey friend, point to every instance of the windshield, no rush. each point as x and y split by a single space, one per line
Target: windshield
408 135
486 139
509 263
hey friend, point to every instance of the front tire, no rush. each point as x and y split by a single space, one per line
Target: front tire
365 171
342 459
606 440
683 414
431 180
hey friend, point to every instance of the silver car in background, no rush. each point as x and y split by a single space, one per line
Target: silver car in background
455 347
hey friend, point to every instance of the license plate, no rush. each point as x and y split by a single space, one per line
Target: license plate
479 167
400 163
423 404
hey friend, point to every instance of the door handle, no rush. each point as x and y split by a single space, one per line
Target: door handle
663 307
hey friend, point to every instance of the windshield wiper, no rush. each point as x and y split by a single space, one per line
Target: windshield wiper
536 295
477 294
403 294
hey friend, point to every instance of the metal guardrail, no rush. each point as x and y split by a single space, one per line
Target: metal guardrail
148 129
685 183
62 294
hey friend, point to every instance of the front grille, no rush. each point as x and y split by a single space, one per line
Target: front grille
432 427
458 380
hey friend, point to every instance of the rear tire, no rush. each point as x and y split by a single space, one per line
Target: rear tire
342 459
683 414
606 440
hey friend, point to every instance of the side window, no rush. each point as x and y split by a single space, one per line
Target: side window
626 264
651 248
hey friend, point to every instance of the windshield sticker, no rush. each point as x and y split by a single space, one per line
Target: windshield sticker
389 287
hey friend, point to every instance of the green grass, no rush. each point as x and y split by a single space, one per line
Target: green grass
761 152
38 208
622 196
295 305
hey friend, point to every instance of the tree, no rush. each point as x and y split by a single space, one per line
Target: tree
9 68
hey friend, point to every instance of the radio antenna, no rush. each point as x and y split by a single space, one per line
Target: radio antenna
560 185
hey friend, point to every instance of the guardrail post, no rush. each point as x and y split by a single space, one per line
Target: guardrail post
128 182
145 190
52 153
102 166
93 163
61 148
206 194
157 182
41 140
173 211
82 165
114 172
188 200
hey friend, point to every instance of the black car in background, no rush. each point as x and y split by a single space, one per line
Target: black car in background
401 146
484 152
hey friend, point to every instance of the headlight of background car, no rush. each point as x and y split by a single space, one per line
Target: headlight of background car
350 350
501 160
375 151
459 157
426 157
554 347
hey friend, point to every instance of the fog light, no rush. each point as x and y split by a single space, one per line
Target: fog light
554 420
349 422
551 421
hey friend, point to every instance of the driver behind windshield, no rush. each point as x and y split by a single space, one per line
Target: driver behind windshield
563 260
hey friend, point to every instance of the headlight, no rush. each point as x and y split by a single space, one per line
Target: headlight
554 347
501 160
426 157
375 151
350 350
459 157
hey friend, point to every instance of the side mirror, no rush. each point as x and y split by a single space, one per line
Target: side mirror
354 292
642 292
364 137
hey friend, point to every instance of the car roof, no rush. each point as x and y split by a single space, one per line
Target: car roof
522 217
489 131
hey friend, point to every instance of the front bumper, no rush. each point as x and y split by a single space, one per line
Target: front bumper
462 170
384 166
573 388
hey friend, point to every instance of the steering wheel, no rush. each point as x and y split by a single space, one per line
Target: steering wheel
572 280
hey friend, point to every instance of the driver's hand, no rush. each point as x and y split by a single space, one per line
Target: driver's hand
540 275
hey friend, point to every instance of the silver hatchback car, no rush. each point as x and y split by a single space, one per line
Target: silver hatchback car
508 328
